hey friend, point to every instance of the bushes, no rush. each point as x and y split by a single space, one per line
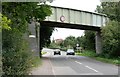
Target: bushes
111 38
17 58
88 53
103 58
111 32
63 49
0 64
89 40
17 61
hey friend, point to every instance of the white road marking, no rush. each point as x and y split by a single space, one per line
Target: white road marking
78 62
90 74
52 68
91 68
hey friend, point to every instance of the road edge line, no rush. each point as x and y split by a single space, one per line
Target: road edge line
52 68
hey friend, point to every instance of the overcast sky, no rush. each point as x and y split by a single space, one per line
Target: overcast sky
86 5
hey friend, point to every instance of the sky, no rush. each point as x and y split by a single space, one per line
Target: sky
86 5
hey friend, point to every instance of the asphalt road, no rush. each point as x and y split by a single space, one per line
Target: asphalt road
77 65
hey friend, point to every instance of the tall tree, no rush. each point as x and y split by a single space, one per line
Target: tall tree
70 41
111 9
90 40
45 33
16 55
110 33
110 36
81 41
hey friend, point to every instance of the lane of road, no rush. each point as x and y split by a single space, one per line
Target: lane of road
78 65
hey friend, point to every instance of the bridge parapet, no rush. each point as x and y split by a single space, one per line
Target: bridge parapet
78 17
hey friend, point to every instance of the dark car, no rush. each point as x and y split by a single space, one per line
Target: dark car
70 52
57 51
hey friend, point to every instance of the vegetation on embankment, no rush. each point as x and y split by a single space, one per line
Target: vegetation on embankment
43 53
17 58
102 57
36 61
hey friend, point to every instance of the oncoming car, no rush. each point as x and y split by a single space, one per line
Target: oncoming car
70 52
57 51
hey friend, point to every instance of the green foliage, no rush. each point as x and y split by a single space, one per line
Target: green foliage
63 49
79 40
36 61
16 61
86 42
87 53
42 11
43 52
111 32
70 42
4 22
111 9
45 33
89 40
110 36
54 45
102 58
17 58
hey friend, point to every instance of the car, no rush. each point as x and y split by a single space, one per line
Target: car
57 51
70 52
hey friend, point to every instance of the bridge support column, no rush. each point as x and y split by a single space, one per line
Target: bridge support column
98 43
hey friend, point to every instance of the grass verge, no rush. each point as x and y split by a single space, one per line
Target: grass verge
92 54
36 61
43 53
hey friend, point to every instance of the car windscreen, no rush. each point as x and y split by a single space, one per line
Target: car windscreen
70 50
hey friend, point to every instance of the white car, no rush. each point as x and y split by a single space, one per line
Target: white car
70 52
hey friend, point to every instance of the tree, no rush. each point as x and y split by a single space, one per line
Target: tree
89 40
110 33
81 41
16 56
4 24
54 45
45 33
111 9
110 36
70 42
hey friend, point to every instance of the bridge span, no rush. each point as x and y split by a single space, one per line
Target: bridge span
77 19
